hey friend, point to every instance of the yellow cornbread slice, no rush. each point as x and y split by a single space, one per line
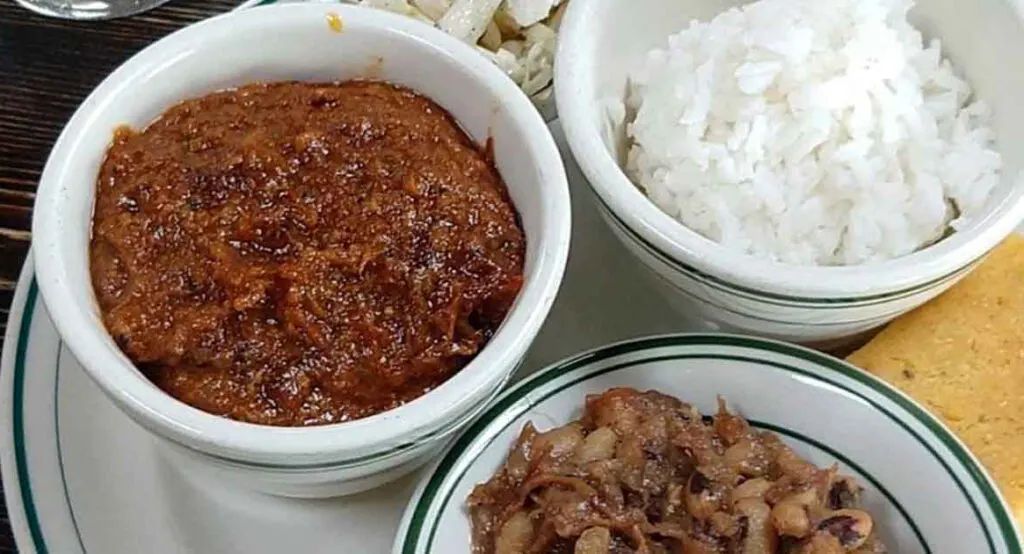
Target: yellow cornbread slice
962 356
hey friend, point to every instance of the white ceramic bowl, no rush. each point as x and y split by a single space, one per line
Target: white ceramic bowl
601 40
295 42
927 493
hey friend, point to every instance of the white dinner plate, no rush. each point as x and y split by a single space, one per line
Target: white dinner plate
80 477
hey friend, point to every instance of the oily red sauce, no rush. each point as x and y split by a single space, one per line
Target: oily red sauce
302 254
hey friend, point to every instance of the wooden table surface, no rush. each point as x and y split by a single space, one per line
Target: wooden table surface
47 67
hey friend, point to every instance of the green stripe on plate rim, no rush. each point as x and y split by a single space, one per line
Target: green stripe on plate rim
454 457
769 297
17 405
60 450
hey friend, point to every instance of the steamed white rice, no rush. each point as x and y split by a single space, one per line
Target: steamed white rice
813 132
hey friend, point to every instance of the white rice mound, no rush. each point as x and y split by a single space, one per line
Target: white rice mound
810 132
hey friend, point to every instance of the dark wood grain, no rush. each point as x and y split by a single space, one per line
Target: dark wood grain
47 67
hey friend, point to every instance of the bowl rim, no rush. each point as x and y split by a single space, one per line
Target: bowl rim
289 447
690 252
435 489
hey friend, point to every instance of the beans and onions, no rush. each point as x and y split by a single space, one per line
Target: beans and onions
644 473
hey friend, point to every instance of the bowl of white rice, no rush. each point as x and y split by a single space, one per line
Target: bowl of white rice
801 169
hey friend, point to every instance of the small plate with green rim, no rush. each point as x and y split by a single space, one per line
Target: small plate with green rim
928 494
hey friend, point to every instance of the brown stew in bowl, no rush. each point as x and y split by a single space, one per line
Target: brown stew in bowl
644 473
301 254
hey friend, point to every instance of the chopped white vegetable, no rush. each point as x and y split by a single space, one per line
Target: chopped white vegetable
467 19
492 37
517 35
514 46
397 6
505 22
434 9
540 34
528 12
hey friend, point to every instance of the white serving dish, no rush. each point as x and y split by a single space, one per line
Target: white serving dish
297 42
925 491
601 40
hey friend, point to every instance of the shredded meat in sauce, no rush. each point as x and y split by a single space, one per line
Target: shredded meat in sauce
303 253
644 473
